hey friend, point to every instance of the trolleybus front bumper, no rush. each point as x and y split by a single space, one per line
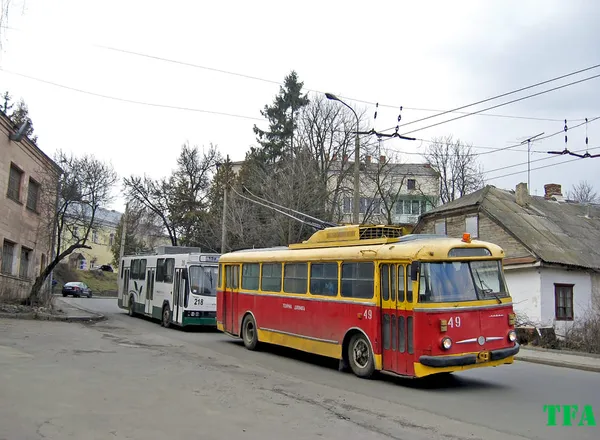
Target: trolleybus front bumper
469 359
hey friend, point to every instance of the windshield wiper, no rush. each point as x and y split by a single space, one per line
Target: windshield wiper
487 291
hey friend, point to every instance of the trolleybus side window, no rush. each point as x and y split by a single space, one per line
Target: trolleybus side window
324 279
295 278
401 285
142 272
160 270
169 269
271 277
357 280
232 276
250 276
384 282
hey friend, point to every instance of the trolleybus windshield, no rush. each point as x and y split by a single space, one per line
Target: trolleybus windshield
203 280
461 281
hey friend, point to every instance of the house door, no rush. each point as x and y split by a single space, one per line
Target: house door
392 285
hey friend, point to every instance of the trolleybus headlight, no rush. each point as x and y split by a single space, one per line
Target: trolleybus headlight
446 343
512 336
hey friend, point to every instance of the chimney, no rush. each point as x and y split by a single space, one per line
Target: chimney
334 157
368 159
382 159
345 158
551 190
522 194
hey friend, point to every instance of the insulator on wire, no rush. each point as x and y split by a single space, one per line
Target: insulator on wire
376 107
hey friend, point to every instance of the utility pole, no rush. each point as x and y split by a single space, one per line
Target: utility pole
224 221
124 232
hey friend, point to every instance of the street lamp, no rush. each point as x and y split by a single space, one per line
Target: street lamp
356 161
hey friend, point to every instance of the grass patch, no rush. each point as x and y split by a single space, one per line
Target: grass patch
100 282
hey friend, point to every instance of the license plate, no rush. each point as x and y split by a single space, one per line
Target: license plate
483 356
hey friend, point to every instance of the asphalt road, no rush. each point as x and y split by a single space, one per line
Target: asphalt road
506 400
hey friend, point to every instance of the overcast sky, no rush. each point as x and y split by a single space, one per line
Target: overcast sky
419 55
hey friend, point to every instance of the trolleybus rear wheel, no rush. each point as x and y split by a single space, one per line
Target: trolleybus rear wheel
130 309
249 333
166 316
360 356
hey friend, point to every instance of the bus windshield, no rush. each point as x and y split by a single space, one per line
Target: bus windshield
203 280
461 281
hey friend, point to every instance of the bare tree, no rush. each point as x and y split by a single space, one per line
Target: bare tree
327 131
6 6
181 199
85 186
460 173
583 192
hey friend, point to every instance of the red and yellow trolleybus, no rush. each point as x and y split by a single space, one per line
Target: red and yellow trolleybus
412 305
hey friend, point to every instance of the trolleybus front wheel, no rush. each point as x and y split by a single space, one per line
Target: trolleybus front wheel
249 333
360 356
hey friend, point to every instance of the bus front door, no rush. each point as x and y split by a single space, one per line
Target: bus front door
178 296
395 351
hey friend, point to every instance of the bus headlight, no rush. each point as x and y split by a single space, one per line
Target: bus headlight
512 336
446 343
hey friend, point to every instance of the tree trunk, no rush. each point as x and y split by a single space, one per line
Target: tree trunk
34 293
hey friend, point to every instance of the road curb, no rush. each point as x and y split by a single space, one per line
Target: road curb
534 360
95 315
50 317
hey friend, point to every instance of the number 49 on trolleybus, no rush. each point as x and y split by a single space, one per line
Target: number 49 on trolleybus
175 288
412 305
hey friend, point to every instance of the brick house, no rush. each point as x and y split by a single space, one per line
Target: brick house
28 187
552 247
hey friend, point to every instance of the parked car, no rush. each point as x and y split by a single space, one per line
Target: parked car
76 289
106 268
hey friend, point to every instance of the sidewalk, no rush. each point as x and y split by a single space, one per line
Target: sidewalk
63 311
559 358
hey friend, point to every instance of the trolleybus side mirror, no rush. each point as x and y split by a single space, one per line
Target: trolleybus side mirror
414 270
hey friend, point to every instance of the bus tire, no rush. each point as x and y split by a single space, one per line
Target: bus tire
131 308
249 333
166 316
360 356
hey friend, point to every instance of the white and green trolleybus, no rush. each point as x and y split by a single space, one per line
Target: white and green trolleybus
177 286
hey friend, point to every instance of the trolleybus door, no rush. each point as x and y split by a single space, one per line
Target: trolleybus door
179 296
149 290
392 285
125 298
232 276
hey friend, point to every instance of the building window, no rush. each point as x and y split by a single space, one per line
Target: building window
347 205
411 184
111 239
24 264
8 254
440 227
472 225
563 302
33 191
94 236
14 183
76 232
